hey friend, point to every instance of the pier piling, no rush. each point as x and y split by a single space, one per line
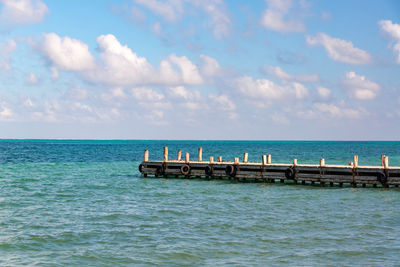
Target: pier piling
165 153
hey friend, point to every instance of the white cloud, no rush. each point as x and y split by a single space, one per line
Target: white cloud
224 103
117 65
277 17
359 87
114 96
210 66
22 12
28 103
190 73
280 118
6 50
5 112
76 94
118 92
120 65
31 79
300 90
173 10
282 75
278 73
190 99
263 89
336 111
146 94
323 92
66 53
340 50
216 10
182 92
393 30
170 10
155 117
260 88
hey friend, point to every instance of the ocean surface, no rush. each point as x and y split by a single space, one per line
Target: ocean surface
84 203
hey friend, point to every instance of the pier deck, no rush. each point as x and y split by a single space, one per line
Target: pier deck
267 171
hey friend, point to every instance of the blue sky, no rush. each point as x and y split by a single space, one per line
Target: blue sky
200 69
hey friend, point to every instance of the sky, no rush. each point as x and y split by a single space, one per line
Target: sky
200 69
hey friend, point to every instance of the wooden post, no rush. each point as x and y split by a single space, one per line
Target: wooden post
187 157
386 162
268 159
264 159
165 153
236 161
200 154
294 161
382 159
322 162
211 159
220 159
245 157
146 156
355 161
179 154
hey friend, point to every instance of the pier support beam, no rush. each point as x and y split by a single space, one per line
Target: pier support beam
200 154
386 162
355 160
264 159
165 153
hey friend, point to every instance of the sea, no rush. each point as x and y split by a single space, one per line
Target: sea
84 203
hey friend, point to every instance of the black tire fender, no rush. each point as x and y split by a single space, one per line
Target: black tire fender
185 169
159 171
141 168
209 170
290 173
230 170
381 177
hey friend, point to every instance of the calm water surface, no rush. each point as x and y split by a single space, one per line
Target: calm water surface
84 203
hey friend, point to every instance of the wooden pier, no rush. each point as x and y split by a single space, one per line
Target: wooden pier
266 171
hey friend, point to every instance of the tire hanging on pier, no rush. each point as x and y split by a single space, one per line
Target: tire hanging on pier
185 169
141 168
381 177
290 174
230 170
159 171
209 170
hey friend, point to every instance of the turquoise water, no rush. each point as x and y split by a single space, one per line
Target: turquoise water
84 203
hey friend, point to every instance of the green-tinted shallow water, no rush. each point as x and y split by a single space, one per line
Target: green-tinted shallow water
84 203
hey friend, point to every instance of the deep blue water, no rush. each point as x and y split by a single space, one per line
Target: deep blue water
66 202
